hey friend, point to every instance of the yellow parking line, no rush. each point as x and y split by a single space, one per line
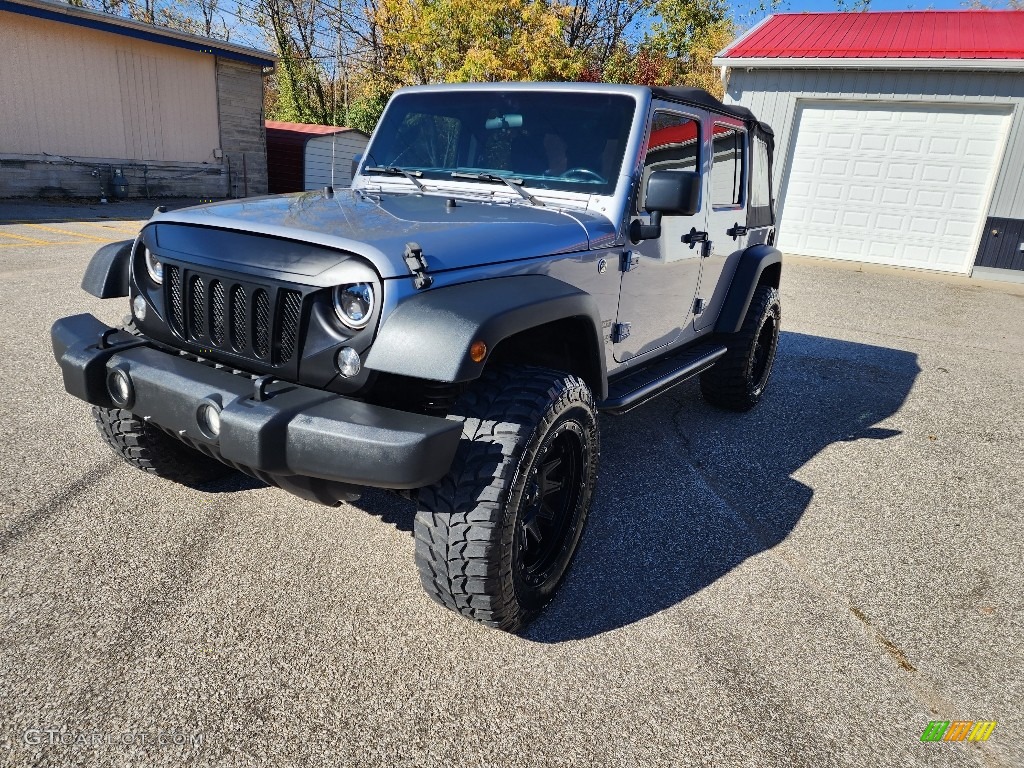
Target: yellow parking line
22 237
40 244
115 229
69 232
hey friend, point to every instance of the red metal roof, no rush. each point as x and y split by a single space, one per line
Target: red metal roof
320 130
887 34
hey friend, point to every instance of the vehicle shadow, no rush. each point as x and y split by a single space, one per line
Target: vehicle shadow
688 492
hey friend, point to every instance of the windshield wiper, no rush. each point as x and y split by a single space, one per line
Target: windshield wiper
514 183
394 170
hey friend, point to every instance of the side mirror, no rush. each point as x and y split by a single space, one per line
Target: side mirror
668 192
673 192
356 160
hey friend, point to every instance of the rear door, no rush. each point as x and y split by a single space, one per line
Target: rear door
661 277
727 214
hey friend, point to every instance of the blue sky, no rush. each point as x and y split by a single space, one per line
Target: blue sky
799 6
746 16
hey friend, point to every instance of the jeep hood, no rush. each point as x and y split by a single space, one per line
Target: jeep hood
378 226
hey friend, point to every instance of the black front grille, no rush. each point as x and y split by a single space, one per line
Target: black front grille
261 323
238 315
174 289
217 313
197 305
261 336
291 314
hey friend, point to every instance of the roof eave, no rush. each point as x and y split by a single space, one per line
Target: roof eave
772 62
105 22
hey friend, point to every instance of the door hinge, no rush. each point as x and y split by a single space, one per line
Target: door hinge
417 264
699 305
630 261
620 332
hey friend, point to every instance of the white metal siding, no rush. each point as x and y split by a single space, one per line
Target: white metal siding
318 159
773 97
68 90
901 184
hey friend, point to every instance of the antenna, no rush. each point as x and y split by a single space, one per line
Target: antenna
337 69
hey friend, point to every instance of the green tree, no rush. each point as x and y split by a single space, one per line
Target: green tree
437 41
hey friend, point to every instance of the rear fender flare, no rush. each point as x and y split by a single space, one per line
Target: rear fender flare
753 263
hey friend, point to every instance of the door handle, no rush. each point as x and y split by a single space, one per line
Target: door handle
737 231
693 237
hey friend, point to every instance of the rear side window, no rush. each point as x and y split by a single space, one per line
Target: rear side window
727 167
760 192
759 212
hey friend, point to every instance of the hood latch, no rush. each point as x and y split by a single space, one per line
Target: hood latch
417 263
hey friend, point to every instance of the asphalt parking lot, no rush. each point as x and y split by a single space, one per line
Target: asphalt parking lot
808 584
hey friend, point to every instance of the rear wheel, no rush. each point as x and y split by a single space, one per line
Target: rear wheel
147 448
495 537
738 380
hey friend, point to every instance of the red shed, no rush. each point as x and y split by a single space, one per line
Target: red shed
299 155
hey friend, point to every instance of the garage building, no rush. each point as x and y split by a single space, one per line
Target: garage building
899 135
93 104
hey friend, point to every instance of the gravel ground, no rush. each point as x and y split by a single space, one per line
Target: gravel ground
808 584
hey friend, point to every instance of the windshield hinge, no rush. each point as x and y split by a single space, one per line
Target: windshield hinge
417 263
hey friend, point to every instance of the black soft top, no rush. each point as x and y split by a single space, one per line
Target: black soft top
702 98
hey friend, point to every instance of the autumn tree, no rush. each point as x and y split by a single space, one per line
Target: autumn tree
438 41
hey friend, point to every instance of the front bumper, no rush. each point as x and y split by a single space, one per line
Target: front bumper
293 434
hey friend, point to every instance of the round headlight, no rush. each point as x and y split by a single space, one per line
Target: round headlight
154 267
353 304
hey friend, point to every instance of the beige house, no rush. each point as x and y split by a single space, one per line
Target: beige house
94 104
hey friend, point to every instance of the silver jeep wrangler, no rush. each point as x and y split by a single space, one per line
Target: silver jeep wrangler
510 260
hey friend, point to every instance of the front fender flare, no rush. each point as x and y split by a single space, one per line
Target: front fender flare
428 336
754 261
106 277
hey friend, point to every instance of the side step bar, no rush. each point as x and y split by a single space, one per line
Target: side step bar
637 387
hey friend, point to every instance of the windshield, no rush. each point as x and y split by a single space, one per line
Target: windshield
560 140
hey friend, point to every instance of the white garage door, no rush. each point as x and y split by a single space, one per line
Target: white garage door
891 184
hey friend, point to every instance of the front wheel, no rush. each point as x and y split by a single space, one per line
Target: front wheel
145 447
495 536
737 381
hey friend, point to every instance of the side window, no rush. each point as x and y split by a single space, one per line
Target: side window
727 166
760 194
674 145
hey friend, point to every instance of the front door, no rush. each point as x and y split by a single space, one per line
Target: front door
727 215
660 281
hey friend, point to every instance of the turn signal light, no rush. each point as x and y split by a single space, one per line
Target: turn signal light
478 351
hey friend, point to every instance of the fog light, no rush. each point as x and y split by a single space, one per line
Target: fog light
209 419
139 307
120 388
348 362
